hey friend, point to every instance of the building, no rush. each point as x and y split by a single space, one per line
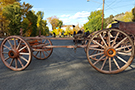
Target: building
65 26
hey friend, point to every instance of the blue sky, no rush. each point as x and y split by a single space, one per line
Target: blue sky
76 11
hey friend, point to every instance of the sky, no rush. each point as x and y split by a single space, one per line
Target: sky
73 12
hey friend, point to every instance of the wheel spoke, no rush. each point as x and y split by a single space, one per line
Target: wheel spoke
14 43
124 47
10 44
40 54
19 44
11 62
5 52
120 42
22 48
96 49
114 41
122 53
99 60
47 52
44 41
110 67
103 40
97 43
96 54
24 53
116 63
16 63
20 62
37 53
44 54
23 58
109 38
103 64
6 59
7 47
121 59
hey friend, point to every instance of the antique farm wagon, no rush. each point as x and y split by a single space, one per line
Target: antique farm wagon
108 51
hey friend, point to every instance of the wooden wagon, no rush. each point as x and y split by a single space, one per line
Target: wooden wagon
108 51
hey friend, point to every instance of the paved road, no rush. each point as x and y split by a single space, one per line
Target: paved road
64 70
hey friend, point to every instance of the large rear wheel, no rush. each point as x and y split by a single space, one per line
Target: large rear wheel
110 51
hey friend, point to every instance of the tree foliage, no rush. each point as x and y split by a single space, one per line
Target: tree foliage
68 31
14 16
12 13
7 2
133 12
126 17
55 22
109 20
45 28
29 24
42 24
95 21
25 7
39 21
3 22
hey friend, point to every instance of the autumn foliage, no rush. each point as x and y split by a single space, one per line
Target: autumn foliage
14 16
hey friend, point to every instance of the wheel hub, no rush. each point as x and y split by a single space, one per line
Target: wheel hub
111 52
13 54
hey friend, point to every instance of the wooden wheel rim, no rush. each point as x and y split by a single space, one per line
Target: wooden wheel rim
109 58
15 61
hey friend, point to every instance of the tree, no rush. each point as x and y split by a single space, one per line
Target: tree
39 21
77 28
3 22
95 21
12 13
133 12
126 17
109 20
55 22
68 31
60 24
25 7
45 28
29 20
7 2
33 23
42 24
25 26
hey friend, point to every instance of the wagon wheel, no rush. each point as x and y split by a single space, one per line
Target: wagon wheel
12 53
86 41
42 53
111 56
128 49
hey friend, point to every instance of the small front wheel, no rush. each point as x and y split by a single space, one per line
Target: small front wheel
41 52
